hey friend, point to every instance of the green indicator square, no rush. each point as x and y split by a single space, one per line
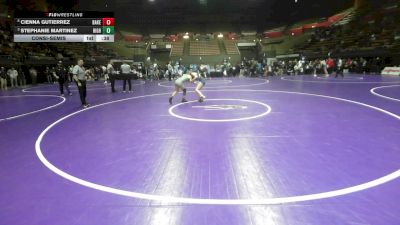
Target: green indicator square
108 30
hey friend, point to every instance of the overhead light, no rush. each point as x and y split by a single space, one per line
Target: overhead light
185 36
203 2
220 35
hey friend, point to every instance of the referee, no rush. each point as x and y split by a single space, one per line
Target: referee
126 73
79 77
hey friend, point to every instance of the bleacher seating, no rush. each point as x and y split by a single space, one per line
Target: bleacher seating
203 48
231 48
177 49
351 14
366 31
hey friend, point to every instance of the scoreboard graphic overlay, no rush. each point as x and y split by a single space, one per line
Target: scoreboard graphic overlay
64 27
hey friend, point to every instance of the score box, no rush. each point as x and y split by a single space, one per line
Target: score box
108 21
108 30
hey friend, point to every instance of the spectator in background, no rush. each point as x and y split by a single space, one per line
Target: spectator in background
253 65
330 64
3 78
13 74
176 69
97 73
141 70
33 74
89 74
110 72
376 64
203 70
242 70
324 67
266 70
155 71
49 75
21 77
298 68
104 74
316 65
339 68
259 68
61 74
71 75
170 70
363 63
355 66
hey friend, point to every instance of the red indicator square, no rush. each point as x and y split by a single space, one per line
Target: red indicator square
108 21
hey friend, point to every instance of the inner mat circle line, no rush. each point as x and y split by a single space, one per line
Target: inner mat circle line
171 112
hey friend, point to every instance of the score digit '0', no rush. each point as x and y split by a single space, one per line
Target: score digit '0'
108 21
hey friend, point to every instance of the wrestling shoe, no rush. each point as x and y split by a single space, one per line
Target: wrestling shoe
201 99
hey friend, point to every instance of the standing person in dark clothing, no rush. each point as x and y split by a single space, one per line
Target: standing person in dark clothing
79 77
378 64
111 72
61 73
3 78
339 68
253 67
21 77
97 73
48 74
